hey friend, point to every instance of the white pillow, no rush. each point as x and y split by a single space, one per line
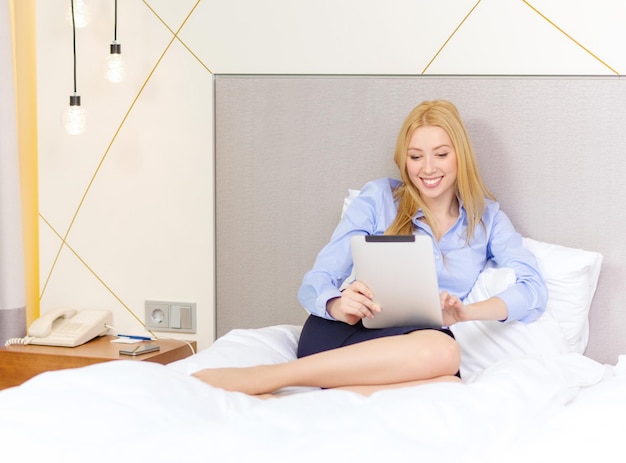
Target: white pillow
485 343
245 347
572 278
348 199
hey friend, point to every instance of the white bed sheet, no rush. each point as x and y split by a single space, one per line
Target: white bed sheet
528 408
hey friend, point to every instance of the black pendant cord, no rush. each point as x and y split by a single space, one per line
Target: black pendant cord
74 43
115 24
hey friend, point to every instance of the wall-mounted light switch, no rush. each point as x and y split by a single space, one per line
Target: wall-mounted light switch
175 317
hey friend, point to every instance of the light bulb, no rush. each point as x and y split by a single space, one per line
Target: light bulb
74 117
82 16
115 69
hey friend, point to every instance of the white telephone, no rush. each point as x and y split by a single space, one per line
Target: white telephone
66 327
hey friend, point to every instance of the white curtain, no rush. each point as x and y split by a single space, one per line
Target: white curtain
12 284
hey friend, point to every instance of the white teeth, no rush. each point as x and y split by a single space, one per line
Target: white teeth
428 181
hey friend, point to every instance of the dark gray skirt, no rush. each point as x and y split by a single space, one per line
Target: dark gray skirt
319 334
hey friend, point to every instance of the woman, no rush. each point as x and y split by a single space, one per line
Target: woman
440 194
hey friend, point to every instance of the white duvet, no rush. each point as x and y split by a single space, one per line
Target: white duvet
559 408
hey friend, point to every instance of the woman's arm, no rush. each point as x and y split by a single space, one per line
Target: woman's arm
370 213
526 299
454 310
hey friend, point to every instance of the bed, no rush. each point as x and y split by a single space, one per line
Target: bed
553 390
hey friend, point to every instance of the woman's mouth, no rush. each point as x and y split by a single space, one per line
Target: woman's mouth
431 182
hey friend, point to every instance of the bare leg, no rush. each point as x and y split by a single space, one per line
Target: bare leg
379 363
369 390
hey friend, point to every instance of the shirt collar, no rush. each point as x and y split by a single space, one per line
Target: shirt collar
420 213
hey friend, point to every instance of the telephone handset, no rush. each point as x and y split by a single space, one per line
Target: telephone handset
66 327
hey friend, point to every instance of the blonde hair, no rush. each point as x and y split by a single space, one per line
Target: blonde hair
469 186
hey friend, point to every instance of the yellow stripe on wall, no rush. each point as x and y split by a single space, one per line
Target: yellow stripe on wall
23 24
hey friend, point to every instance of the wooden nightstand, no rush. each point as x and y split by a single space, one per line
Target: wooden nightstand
19 363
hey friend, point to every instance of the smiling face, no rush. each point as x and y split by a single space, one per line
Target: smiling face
431 164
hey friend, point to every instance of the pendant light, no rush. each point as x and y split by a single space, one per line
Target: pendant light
80 14
116 70
74 117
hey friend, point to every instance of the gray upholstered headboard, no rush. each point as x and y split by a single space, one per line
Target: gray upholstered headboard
288 148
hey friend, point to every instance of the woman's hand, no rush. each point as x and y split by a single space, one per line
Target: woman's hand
356 302
453 309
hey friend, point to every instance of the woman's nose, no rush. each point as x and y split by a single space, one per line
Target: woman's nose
429 164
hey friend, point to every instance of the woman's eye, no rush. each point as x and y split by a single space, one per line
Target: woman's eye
442 155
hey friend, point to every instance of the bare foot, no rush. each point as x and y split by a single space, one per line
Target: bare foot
250 380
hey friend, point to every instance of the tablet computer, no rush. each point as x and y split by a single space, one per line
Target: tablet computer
400 271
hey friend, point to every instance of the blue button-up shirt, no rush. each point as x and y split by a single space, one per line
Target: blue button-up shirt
458 263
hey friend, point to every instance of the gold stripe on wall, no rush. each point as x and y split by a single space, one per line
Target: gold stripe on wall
175 33
450 38
23 25
570 37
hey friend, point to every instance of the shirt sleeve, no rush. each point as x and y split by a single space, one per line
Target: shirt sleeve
367 214
526 299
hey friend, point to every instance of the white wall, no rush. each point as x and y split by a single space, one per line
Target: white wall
133 196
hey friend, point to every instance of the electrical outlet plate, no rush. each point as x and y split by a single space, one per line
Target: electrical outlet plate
176 317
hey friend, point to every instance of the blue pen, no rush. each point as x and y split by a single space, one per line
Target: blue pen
130 336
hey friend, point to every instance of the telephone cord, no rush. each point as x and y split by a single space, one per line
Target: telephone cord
23 341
